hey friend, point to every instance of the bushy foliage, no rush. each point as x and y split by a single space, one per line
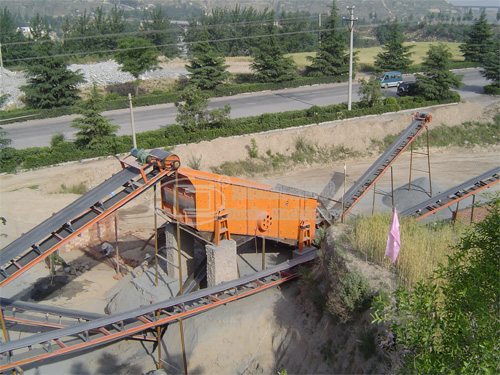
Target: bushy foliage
479 42
370 92
270 63
193 114
206 67
95 131
161 32
395 55
449 323
50 82
491 66
332 58
437 81
137 56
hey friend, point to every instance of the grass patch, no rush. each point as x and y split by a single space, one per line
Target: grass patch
467 134
33 187
423 247
305 152
79 189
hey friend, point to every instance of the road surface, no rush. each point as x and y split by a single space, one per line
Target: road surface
37 133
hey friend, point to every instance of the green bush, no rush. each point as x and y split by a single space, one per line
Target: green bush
491 90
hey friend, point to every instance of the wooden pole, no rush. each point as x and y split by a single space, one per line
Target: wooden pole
116 245
156 236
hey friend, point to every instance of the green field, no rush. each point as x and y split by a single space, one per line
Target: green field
367 55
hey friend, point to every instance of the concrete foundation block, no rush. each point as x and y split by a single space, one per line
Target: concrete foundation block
221 263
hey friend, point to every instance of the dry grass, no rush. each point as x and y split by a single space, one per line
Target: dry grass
423 247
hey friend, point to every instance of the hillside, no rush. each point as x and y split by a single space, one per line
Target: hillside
365 9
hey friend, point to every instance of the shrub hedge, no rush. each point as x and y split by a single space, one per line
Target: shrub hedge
11 159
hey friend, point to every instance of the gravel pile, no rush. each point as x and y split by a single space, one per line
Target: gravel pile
103 73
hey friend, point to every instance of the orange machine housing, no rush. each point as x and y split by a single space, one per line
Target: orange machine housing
244 207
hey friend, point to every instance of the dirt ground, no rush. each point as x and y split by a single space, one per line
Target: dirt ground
27 198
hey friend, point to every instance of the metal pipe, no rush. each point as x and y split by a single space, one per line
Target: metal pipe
374 192
5 333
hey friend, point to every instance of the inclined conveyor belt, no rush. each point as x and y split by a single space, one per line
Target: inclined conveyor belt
453 195
16 305
372 174
42 239
117 326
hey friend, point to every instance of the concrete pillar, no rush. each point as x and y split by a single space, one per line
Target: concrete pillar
187 253
221 262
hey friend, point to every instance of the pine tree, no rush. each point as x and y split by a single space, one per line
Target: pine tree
206 67
95 130
50 82
437 80
395 55
161 32
479 41
332 58
136 57
270 63
491 65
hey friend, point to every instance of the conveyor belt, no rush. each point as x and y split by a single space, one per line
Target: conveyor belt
114 327
453 195
39 242
368 179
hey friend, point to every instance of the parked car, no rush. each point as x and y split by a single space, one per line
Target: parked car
407 89
389 79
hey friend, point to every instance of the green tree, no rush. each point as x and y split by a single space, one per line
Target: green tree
161 32
491 65
370 91
332 58
437 81
479 42
11 40
136 56
95 131
193 114
449 323
395 55
4 141
50 82
206 67
269 61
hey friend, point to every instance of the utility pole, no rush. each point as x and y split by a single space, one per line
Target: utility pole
1 69
134 142
351 29
319 28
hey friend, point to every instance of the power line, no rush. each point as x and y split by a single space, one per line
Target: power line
141 32
169 44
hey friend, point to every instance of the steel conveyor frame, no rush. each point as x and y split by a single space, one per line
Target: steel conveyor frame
127 324
453 195
370 177
47 237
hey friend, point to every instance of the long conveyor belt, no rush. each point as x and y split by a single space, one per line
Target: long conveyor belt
45 238
127 324
368 179
453 195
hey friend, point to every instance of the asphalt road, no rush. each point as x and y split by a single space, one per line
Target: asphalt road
38 133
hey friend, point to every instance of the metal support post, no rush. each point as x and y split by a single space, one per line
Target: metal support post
392 188
5 333
177 213
263 253
134 142
319 29
411 165
116 246
472 209
351 29
156 237
343 196
1 69
374 192
429 159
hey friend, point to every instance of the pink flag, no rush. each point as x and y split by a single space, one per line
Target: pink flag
394 240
